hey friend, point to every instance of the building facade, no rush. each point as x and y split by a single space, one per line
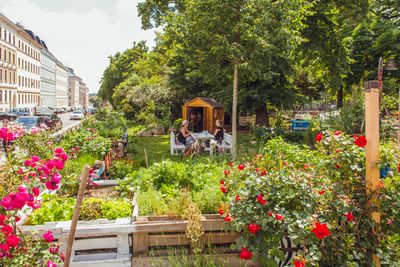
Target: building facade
83 95
29 56
61 85
8 64
73 88
48 78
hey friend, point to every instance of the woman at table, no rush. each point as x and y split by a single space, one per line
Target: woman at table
185 136
219 132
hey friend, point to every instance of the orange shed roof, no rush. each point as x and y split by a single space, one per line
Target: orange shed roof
207 100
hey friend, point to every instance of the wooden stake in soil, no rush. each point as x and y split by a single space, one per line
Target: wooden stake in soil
372 148
75 217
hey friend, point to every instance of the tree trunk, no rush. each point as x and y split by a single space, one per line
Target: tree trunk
234 109
339 99
262 117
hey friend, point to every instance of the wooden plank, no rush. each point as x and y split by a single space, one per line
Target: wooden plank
220 238
222 259
372 149
140 244
101 260
122 245
168 240
95 243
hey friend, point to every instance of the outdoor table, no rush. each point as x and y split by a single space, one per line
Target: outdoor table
202 137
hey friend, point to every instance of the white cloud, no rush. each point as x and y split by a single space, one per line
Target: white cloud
82 40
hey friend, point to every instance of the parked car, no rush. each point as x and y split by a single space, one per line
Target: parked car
52 121
8 116
77 115
28 122
22 111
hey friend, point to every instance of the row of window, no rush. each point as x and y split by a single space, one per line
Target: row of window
7 55
28 66
28 82
6 97
27 49
7 36
8 76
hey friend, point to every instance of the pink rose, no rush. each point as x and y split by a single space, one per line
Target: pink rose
48 237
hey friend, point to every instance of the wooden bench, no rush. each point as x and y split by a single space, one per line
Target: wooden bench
175 147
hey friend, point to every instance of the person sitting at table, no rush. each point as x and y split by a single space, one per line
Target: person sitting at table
186 137
219 132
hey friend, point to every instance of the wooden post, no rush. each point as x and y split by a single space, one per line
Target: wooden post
372 148
75 217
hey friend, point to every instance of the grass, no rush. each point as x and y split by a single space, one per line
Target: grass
157 148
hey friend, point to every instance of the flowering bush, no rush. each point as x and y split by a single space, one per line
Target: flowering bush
17 249
316 197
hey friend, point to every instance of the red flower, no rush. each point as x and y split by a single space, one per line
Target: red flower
54 249
48 236
228 218
337 166
260 199
246 254
227 172
230 164
4 247
241 167
299 263
238 198
321 192
221 212
398 167
285 163
270 214
12 241
2 219
7 230
319 137
278 217
361 141
321 230
254 228
223 189
349 216
221 182
36 191
263 173
306 166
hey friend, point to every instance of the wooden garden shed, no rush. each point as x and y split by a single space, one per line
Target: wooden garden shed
202 113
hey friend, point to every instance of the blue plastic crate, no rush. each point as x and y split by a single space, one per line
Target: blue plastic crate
299 125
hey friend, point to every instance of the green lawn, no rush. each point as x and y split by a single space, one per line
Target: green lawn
157 149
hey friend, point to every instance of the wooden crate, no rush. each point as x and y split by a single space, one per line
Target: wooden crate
157 238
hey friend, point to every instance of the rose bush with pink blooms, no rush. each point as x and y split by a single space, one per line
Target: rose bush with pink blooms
17 249
317 198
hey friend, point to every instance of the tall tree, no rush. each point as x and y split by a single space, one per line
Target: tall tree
219 40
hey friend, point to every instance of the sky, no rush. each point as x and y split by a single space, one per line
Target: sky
81 33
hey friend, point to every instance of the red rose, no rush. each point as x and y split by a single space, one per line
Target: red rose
319 137
270 214
221 182
278 217
321 192
36 191
299 263
2 219
245 254
349 216
260 199
306 166
12 241
228 218
4 247
48 236
337 166
361 141
321 230
254 228
230 164
223 189
285 163
241 167
54 249
238 198
227 172
256 170
398 167
7 230
221 212
263 173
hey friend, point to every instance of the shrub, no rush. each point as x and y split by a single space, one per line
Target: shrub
120 169
318 198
